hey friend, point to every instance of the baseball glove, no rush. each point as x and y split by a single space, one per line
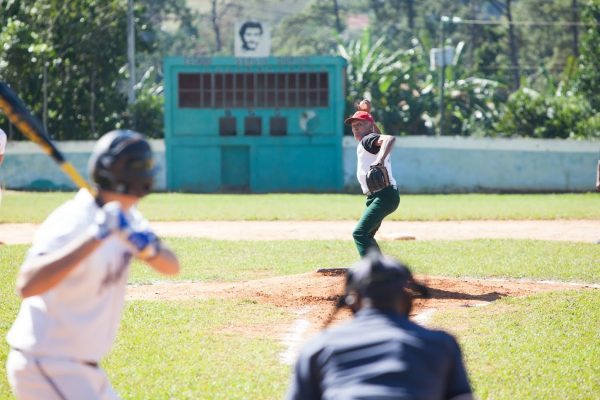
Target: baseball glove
377 178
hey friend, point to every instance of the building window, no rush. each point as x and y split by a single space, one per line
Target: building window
227 126
253 90
278 126
252 126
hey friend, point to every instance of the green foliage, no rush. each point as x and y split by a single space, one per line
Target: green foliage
69 62
398 84
466 111
76 54
146 114
405 93
557 111
179 29
471 106
486 51
392 19
588 128
531 114
174 30
70 54
547 44
308 32
589 74
537 347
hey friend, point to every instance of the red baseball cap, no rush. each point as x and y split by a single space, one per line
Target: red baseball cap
359 116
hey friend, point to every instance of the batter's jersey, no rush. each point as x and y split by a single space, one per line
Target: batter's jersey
380 356
80 316
366 154
2 141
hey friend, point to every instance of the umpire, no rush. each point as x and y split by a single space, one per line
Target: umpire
373 157
380 354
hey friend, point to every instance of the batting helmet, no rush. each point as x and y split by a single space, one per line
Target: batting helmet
122 162
380 278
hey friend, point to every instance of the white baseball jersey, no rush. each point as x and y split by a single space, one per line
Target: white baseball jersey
2 141
80 316
366 154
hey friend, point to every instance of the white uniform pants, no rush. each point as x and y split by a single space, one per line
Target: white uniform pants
52 378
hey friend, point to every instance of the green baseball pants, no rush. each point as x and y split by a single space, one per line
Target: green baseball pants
379 206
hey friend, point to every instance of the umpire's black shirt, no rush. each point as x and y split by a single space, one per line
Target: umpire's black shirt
380 356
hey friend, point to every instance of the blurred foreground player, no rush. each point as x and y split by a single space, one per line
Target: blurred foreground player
380 354
74 277
3 139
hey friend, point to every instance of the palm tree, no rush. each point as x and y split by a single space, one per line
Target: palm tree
404 91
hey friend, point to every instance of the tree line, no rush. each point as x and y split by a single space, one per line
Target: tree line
518 68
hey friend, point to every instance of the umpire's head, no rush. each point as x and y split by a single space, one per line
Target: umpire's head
382 282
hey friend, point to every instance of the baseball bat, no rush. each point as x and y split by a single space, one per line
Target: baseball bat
31 127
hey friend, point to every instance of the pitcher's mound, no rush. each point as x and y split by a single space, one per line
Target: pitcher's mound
317 292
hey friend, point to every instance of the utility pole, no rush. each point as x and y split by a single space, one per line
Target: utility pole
443 19
411 15
445 59
336 12
131 52
45 95
574 12
514 50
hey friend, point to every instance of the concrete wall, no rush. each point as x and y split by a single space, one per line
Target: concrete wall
421 165
426 164
27 167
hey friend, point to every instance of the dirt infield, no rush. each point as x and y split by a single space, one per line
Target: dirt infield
569 230
565 230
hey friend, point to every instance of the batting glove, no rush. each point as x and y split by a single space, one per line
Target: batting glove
108 220
145 243
111 219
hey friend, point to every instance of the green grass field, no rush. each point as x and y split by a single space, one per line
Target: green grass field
542 346
244 260
35 206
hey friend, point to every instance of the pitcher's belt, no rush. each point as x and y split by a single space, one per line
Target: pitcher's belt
369 193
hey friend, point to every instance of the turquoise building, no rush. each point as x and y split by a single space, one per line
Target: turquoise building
255 125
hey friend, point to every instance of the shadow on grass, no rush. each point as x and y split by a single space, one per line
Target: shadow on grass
441 294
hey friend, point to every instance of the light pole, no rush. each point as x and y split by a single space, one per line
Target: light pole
131 52
443 20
